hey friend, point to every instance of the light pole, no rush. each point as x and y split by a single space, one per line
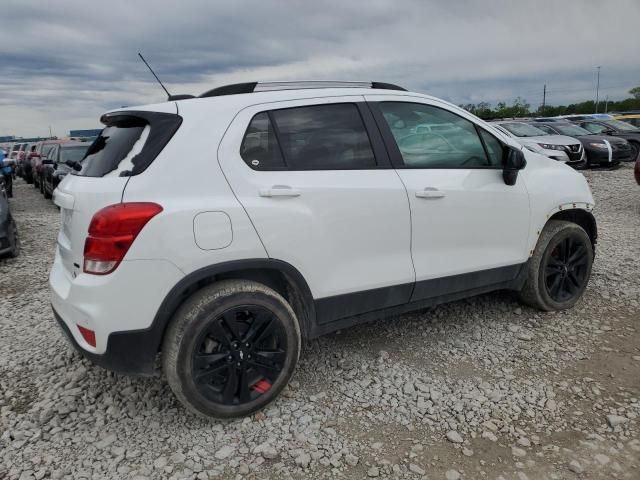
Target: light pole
597 87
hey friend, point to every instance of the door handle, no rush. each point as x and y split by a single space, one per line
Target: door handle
430 192
279 191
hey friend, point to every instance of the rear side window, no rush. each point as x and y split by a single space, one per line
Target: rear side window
318 137
129 143
260 149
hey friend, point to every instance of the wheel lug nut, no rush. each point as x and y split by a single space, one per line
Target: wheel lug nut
238 364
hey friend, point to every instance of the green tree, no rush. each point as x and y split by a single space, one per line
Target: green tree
635 92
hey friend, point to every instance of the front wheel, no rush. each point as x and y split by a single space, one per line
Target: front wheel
635 151
559 270
231 348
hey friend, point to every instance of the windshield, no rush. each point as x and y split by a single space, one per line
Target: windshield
74 154
571 130
622 126
524 130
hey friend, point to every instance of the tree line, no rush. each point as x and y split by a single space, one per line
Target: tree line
520 108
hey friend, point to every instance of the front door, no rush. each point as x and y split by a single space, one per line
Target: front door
469 229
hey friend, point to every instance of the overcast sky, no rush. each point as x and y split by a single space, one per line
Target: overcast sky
62 63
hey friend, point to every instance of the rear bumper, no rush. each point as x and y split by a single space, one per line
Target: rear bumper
119 308
127 352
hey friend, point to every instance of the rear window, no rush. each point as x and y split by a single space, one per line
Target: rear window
110 148
129 143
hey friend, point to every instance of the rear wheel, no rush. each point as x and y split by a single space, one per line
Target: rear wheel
231 348
560 267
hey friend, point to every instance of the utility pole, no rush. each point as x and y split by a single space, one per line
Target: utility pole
606 104
597 88
544 98
50 135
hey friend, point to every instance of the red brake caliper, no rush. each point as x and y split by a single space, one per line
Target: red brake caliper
261 386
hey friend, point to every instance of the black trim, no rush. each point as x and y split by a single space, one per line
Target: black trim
329 309
233 89
375 140
462 286
438 287
387 86
127 352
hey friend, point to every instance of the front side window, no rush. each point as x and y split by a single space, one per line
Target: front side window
495 150
594 127
431 137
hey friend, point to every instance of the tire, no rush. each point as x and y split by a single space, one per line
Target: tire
549 285
198 328
14 241
41 185
46 193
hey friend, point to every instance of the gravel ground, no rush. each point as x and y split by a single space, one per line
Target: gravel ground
482 388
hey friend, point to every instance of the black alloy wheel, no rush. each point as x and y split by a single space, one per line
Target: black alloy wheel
567 269
239 355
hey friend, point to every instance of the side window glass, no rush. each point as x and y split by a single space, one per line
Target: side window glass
324 137
494 148
259 148
431 137
594 127
546 129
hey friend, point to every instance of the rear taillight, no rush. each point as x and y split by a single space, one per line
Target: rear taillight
112 231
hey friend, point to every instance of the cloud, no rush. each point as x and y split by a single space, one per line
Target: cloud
63 63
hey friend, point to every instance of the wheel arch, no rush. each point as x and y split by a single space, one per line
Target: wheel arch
581 217
276 274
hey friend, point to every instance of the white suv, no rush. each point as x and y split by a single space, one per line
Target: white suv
220 231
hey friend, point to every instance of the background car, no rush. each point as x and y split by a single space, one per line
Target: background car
630 118
600 150
27 167
559 147
55 167
8 231
43 149
615 128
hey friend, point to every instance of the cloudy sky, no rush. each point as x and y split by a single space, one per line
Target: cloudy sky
63 62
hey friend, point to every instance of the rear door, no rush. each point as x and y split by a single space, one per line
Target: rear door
468 226
318 187
127 145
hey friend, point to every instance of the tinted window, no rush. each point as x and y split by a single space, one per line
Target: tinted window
430 137
324 137
594 127
259 147
74 154
110 148
494 148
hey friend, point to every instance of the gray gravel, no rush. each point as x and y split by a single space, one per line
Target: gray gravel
482 388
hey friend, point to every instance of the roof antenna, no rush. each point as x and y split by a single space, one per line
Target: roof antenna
154 74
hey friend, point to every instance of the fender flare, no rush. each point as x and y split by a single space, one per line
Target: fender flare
180 291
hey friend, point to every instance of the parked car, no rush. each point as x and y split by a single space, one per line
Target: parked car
27 166
636 170
316 206
9 245
56 167
615 128
600 150
558 147
630 118
19 149
44 151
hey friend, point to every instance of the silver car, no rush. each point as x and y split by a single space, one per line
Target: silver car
559 147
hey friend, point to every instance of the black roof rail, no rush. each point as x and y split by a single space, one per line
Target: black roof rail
251 87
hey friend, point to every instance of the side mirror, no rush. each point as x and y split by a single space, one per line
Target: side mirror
46 161
609 132
514 161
